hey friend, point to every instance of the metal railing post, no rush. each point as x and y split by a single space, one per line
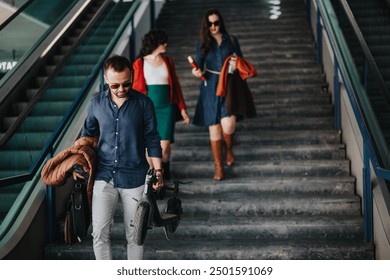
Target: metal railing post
367 196
50 208
132 41
365 75
336 95
319 38
308 10
152 12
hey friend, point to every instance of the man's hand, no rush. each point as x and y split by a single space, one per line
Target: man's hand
77 176
160 182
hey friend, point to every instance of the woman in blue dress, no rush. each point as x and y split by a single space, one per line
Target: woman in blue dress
214 46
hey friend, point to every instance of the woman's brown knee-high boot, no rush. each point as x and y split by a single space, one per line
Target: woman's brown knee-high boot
229 148
216 148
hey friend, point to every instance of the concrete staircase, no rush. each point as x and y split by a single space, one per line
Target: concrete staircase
290 194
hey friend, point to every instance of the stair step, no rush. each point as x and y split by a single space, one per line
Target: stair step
270 227
256 228
259 186
280 152
220 249
256 206
265 168
267 137
261 124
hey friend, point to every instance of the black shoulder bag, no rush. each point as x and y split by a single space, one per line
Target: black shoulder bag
78 216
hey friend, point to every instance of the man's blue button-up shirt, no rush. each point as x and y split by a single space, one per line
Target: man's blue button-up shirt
124 133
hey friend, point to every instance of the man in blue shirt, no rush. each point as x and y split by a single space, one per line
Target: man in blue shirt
125 123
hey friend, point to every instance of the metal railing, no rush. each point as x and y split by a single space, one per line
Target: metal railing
375 153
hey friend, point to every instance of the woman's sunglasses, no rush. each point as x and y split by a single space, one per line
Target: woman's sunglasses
215 23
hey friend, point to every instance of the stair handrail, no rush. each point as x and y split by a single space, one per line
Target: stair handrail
37 96
376 135
379 141
367 53
361 107
49 147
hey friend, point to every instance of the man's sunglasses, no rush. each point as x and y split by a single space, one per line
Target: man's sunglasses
116 86
215 23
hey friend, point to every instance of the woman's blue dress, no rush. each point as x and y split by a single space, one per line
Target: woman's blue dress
211 108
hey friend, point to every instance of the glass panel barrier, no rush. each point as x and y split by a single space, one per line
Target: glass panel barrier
20 36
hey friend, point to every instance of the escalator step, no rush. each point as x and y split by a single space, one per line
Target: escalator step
28 140
86 59
61 94
37 124
51 108
83 70
66 81
17 160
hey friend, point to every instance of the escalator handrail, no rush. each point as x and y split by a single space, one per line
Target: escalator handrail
34 100
14 15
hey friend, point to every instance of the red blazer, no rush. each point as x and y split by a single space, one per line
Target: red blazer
175 92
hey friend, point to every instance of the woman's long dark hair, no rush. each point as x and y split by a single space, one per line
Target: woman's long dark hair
152 40
205 37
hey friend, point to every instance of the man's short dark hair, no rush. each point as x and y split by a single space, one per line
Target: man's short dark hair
117 62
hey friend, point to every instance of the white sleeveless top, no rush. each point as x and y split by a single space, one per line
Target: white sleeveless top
156 75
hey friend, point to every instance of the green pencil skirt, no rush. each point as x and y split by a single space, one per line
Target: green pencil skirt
164 110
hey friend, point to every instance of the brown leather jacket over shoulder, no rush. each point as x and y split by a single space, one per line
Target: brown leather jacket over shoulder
83 153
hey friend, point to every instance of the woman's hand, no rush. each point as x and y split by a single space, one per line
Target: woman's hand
233 64
197 72
186 118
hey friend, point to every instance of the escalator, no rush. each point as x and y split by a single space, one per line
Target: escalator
73 64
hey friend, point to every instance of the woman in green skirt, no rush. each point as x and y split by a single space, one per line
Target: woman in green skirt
155 75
